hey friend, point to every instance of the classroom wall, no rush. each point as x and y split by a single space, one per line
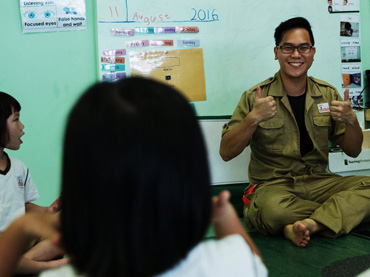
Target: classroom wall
47 72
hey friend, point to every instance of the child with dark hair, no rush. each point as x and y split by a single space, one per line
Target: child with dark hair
348 31
17 190
136 195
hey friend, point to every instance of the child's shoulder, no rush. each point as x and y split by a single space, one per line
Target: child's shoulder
17 164
15 160
218 257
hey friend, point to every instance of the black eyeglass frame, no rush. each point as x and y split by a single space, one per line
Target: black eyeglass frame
307 47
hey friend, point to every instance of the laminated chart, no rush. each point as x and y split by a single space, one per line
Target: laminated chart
182 69
344 5
52 15
351 75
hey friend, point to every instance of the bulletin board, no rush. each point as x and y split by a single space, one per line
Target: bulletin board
234 39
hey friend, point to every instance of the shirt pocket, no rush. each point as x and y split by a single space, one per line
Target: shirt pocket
322 125
271 135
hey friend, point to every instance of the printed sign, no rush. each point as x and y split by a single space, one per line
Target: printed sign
53 15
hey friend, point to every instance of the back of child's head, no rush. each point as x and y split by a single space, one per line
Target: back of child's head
136 193
8 105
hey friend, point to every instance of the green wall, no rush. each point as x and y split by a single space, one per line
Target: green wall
47 72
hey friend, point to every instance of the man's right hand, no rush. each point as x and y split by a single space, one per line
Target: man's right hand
264 108
234 141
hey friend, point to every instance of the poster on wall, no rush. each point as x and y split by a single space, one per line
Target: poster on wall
351 76
350 50
356 97
343 6
349 26
182 69
52 15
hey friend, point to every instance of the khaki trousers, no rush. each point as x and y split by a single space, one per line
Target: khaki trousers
339 203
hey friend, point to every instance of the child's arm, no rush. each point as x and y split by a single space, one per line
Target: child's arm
17 237
54 207
226 222
33 208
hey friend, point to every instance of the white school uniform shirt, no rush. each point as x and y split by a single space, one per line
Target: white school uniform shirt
230 256
16 189
366 273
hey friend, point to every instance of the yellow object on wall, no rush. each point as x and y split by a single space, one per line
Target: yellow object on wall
182 69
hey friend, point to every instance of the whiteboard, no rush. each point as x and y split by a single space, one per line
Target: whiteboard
236 37
231 172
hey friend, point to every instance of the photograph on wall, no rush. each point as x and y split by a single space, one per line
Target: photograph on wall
351 76
356 98
349 26
53 15
350 51
343 6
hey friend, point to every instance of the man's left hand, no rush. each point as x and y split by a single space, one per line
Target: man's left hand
341 111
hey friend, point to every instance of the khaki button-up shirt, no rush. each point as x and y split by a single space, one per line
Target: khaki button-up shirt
275 145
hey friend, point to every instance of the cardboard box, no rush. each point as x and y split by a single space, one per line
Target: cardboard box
366 142
367 114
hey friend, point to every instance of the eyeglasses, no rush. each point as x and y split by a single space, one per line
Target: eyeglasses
289 49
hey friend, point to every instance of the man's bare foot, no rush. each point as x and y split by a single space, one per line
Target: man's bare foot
297 233
300 231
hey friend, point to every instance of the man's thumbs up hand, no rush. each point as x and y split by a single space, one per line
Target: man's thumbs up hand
264 107
341 111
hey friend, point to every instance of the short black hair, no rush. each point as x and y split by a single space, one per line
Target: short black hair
347 25
8 105
136 194
293 23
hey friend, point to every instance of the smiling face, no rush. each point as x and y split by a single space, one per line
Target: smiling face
15 130
294 66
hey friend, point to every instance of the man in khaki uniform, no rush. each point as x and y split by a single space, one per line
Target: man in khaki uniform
287 120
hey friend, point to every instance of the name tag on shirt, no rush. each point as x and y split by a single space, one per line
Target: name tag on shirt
323 107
